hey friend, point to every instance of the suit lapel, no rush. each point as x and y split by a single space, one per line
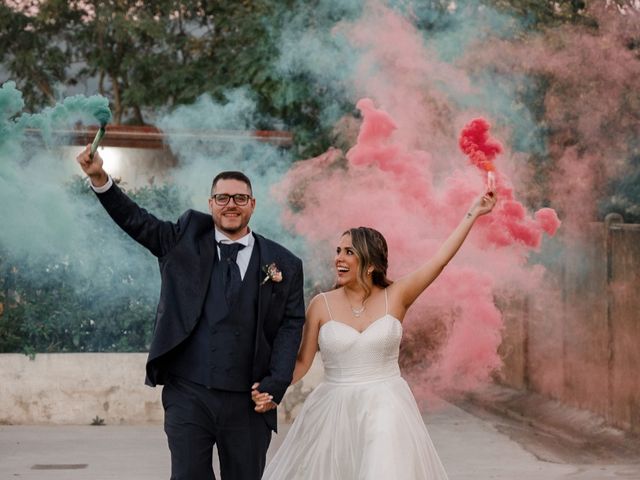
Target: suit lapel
208 255
264 291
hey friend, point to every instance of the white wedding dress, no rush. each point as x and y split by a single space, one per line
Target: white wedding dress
362 422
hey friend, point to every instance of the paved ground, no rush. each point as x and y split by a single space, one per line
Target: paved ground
478 446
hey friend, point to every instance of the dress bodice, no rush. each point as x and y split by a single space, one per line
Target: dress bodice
352 357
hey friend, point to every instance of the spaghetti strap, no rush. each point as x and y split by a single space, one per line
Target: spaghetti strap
327 304
386 303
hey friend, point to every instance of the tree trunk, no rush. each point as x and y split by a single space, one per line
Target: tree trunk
117 101
137 115
45 88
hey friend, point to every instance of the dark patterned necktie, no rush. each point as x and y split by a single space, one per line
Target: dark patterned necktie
232 277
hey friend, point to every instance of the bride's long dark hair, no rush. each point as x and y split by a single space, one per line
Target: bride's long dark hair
371 249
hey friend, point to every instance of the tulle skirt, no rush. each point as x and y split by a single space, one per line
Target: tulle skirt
364 431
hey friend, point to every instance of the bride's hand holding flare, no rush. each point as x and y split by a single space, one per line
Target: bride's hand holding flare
484 204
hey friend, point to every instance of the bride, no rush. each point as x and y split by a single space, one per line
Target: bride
362 422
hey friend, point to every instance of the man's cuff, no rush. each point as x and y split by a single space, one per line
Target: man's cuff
103 188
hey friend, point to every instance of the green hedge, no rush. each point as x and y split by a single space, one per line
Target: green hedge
98 299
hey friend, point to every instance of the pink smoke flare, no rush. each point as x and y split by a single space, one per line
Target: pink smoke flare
476 144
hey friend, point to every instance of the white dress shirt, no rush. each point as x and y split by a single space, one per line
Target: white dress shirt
103 188
244 255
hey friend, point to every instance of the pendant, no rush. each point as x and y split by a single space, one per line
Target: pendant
357 311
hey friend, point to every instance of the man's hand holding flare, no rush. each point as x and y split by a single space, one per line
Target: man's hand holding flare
92 166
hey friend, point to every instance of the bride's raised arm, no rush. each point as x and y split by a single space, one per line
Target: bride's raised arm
409 287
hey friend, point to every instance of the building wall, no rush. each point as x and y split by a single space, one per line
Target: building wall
137 167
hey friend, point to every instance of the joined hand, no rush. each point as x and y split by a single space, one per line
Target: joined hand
263 400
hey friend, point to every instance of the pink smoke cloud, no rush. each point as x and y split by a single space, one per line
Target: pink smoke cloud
383 183
405 177
404 76
590 104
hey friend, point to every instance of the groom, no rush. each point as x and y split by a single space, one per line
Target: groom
229 318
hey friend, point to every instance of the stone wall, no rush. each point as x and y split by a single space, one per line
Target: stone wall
80 388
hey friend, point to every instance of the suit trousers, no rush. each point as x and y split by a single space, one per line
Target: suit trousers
197 418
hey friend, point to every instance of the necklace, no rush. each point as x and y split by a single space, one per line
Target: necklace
357 312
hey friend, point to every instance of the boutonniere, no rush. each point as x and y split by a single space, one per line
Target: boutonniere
272 273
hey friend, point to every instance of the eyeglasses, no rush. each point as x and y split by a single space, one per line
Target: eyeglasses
222 199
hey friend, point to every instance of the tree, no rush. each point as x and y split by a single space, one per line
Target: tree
152 56
53 306
35 48
544 13
140 52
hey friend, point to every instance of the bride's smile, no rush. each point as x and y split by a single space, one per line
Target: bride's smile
346 262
